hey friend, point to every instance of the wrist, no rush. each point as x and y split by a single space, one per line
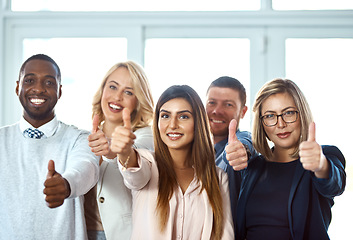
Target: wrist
109 160
68 189
124 163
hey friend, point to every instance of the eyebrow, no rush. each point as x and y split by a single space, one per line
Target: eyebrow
221 100
283 110
32 74
183 111
119 84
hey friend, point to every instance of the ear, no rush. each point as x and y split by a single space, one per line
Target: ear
60 91
17 87
243 111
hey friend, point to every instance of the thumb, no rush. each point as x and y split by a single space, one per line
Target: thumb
232 137
95 123
312 132
51 169
127 118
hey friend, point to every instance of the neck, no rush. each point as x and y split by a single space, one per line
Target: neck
180 158
37 123
217 139
282 155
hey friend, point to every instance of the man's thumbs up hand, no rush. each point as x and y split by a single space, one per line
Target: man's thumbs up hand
56 188
235 151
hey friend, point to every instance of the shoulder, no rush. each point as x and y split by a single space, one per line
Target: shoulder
144 138
145 154
332 152
244 136
143 131
71 129
5 130
222 175
330 149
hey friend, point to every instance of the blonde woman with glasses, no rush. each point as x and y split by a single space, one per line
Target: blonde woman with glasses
287 192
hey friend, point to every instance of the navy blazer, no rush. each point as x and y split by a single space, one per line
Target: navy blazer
310 198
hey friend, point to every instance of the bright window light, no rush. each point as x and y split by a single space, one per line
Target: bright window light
134 5
312 4
323 70
83 63
197 62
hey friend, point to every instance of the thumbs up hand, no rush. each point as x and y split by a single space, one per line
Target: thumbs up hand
56 188
311 155
97 141
235 151
123 137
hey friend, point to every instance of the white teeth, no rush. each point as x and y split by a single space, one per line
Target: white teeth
115 107
174 135
217 121
37 101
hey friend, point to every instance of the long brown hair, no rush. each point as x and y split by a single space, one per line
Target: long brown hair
143 114
202 159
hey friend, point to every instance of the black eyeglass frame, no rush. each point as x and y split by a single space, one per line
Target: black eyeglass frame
281 115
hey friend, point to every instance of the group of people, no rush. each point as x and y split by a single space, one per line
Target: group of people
180 169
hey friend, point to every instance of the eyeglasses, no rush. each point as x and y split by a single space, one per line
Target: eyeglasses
272 119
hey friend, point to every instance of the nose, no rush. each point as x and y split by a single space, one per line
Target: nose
119 95
280 122
217 109
173 123
39 87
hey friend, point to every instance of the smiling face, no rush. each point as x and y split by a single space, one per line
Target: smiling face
118 93
176 124
223 104
285 136
38 89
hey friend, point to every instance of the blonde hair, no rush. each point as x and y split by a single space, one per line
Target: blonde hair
202 159
276 86
143 114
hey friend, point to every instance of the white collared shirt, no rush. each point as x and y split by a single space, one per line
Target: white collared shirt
49 129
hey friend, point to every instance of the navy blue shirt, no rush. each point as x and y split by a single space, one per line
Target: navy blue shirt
266 214
310 199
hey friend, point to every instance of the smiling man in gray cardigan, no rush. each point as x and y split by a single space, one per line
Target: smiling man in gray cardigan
45 165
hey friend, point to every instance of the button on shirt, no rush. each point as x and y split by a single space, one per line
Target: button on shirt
185 214
49 129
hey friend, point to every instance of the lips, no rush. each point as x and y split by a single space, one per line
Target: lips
217 121
174 136
283 135
37 101
115 107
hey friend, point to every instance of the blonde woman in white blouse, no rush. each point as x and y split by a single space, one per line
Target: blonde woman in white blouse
178 192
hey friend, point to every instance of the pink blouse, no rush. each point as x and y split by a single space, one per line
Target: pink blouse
190 215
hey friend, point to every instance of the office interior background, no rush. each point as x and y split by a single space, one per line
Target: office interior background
192 42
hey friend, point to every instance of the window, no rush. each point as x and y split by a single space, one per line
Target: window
134 5
83 63
321 68
197 62
312 4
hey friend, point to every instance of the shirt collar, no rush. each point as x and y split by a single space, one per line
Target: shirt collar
48 129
